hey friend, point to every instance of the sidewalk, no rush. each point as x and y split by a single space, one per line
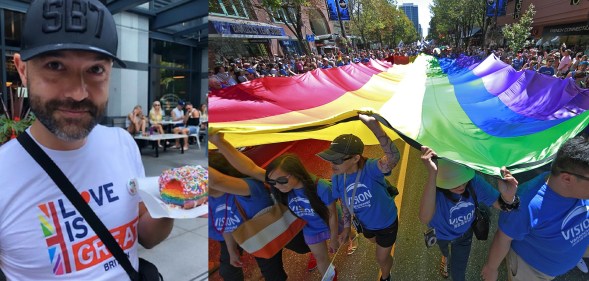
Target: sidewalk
183 256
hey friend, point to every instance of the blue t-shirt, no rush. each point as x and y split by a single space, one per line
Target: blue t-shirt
546 70
299 204
550 232
517 63
373 205
451 220
225 214
214 233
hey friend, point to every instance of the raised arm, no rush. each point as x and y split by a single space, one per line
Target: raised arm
237 159
228 184
427 205
507 189
391 153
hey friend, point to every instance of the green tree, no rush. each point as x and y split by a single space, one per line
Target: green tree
452 20
517 33
380 21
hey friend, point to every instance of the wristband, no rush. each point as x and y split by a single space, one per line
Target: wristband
508 207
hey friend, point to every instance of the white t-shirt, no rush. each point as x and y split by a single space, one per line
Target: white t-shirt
42 235
177 113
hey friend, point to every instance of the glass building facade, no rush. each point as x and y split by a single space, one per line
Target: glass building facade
164 45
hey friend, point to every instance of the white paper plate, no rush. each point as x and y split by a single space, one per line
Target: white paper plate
148 189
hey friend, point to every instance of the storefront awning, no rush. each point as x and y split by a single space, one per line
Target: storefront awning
322 36
233 28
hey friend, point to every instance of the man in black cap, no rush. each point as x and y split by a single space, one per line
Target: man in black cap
68 50
361 186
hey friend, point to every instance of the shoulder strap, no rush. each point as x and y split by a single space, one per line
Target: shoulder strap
474 195
76 199
239 208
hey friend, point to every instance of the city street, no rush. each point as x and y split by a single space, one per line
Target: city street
412 260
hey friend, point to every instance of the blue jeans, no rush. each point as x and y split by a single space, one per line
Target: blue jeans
457 252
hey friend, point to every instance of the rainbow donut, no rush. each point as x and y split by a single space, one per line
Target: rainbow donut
185 187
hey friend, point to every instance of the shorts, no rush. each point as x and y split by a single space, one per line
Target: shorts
322 236
385 237
317 238
192 130
519 270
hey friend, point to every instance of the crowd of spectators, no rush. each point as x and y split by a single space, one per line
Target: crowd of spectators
559 62
232 71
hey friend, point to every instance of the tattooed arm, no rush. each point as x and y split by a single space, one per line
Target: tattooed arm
391 153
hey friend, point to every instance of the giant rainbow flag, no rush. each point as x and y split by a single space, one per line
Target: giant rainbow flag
483 114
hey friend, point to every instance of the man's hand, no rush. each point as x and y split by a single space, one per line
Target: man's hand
507 186
489 274
428 156
334 244
369 120
234 258
217 138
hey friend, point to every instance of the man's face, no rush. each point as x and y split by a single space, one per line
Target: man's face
68 90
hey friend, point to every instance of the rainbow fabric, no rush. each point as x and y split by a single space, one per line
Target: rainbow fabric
483 114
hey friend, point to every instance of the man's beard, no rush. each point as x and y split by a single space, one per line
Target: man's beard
66 129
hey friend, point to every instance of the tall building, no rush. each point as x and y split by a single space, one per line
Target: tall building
555 23
411 10
240 28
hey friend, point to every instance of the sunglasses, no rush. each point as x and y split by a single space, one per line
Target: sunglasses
341 160
280 180
576 175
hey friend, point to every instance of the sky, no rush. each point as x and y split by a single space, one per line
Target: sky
423 10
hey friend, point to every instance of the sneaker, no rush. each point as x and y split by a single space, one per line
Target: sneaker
312 264
582 266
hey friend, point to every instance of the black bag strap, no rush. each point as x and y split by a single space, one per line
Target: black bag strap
76 199
474 196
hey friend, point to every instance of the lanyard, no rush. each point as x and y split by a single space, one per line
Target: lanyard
350 206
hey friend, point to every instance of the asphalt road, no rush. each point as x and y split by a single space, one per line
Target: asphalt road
412 260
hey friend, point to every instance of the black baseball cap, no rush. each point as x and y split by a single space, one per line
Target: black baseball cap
84 25
341 146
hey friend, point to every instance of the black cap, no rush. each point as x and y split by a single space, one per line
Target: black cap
341 146
85 25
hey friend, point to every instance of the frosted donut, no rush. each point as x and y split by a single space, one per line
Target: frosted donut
185 187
